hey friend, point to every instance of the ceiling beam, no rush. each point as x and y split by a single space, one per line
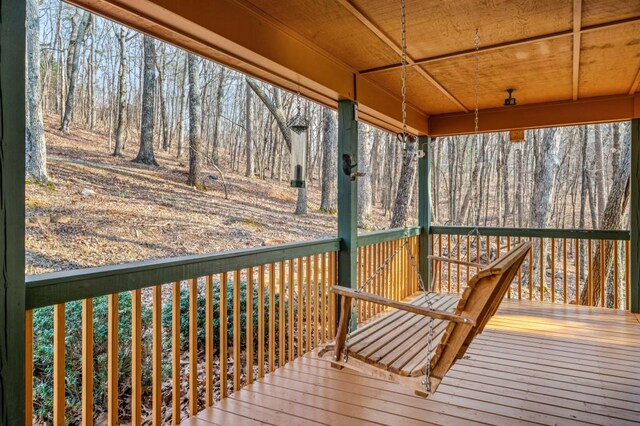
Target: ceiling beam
549 114
398 50
238 36
505 45
635 84
577 40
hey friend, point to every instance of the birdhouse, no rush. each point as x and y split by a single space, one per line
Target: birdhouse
299 127
517 136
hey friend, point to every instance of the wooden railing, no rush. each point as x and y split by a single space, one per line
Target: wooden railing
386 262
264 306
562 265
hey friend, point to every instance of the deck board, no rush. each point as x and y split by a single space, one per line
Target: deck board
533 364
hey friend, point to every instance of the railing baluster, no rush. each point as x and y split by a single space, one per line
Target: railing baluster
208 341
87 363
488 249
223 334
542 269
508 250
236 331
28 368
261 321
332 299
589 276
553 270
300 306
615 275
156 357
281 302
323 306
272 317
308 305
291 307
136 357
316 300
602 273
112 360
458 265
249 323
58 365
577 265
564 269
468 259
175 352
193 346
520 277
531 270
449 263
627 274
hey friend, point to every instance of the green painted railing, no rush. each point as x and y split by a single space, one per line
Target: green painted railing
590 267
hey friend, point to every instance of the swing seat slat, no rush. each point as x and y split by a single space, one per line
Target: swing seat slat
395 346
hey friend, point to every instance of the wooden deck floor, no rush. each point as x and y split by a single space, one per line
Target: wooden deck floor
534 364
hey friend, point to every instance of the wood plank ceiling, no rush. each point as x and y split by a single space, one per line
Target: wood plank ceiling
569 61
547 50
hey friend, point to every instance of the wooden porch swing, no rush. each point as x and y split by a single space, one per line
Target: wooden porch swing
399 347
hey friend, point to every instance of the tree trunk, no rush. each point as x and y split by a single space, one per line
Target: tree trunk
545 166
405 184
215 149
85 22
598 170
611 219
147 124
163 101
36 148
181 108
249 170
329 161
121 120
364 182
195 140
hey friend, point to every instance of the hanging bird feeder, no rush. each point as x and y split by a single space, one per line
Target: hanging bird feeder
299 126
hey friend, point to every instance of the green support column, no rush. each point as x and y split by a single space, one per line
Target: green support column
347 198
12 131
635 215
424 209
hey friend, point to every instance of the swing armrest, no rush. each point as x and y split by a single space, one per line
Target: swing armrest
416 309
459 262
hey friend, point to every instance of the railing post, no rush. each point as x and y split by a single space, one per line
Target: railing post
635 215
424 209
12 163
347 198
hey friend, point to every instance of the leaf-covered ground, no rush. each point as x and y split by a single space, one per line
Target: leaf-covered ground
101 210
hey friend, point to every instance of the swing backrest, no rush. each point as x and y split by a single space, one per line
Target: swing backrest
479 301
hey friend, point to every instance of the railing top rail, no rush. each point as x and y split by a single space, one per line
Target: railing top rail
66 286
580 234
387 235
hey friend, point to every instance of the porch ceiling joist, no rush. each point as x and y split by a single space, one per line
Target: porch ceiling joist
565 113
240 37
508 44
410 62
577 24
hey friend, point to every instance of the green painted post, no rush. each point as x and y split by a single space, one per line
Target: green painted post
424 209
12 287
635 215
347 198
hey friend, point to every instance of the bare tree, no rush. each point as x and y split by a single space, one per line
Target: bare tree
147 124
195 139
77 43
329 161
121 118
405 184
36 148
249 170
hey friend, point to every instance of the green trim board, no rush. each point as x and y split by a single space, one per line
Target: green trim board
347 197
386 235
635 215
66 286
424 209
12 176
580 234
